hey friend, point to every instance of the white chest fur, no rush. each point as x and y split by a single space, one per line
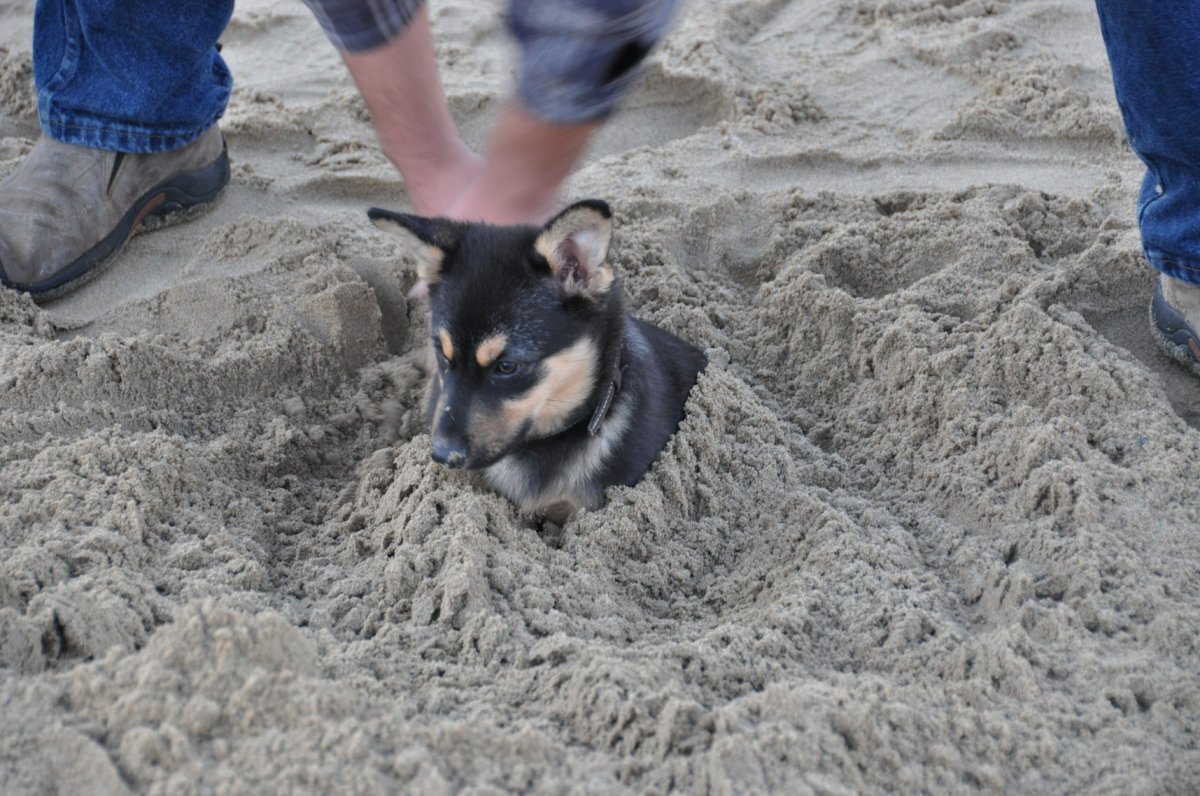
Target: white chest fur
575 479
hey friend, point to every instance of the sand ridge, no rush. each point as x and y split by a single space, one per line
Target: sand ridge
930 524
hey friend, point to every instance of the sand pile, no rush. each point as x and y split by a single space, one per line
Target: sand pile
931 523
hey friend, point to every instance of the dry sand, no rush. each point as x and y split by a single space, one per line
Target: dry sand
931 524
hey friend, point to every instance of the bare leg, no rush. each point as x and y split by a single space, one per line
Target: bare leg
527 158
399 82
527 161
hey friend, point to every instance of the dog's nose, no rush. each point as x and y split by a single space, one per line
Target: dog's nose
450 452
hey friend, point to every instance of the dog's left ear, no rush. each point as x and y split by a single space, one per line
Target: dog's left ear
575 244
440 236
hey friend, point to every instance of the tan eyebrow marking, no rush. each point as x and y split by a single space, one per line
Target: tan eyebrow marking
491 348
447 344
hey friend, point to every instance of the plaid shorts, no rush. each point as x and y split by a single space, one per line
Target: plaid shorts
577 58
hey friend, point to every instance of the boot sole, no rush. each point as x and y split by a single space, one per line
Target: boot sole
179 198
1174 334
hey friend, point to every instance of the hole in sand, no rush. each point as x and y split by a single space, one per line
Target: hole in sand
870 262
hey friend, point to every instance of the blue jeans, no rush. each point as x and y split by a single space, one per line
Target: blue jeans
1154 50
132 75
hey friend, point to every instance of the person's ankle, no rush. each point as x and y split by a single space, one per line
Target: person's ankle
438 177
505 201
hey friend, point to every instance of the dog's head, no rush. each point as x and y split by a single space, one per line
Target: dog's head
520 318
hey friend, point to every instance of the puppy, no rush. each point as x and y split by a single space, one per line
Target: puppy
543 380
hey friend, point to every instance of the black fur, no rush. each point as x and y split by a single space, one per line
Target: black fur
494 280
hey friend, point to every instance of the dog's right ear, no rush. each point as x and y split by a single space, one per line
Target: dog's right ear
440 236
575 246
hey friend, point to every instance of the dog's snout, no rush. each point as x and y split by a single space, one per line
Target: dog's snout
450 452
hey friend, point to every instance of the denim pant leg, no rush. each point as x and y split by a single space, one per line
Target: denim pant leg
131 76
1154 50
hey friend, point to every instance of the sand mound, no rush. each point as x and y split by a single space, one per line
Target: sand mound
930 523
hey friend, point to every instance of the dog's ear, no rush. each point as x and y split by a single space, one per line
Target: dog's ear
440 236
575 245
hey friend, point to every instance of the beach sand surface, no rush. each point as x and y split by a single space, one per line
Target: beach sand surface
931 523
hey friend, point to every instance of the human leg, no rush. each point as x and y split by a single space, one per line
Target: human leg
1155 58
129 76
578 58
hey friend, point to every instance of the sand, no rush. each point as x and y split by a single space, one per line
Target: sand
931 524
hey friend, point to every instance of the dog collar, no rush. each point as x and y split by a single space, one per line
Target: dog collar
610 392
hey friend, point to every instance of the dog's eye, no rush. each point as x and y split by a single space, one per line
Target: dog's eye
506 367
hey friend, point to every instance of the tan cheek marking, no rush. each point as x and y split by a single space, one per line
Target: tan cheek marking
490 349
568 379
447 344
429 264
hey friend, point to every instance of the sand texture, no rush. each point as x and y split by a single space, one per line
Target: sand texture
931 524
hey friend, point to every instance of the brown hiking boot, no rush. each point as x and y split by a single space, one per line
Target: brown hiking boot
67 208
